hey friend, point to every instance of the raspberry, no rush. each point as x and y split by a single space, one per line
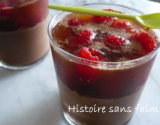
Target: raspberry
121 24
102 19
87 54
114 41
86 73
74 22
98 53
79 20
147 41
91 54
83 38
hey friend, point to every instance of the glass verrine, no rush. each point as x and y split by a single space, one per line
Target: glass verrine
23 33
99 93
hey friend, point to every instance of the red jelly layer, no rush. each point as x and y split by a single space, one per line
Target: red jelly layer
99 83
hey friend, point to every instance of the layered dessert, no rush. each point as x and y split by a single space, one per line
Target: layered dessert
102 65
23 31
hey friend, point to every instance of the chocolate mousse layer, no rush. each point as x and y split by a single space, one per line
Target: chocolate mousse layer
112 108
23 47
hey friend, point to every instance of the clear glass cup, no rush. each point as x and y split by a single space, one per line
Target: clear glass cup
23 33
109 98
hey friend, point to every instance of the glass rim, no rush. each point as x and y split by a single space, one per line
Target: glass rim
82 60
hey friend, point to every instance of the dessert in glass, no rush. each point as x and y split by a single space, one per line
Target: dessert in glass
101 63
23 33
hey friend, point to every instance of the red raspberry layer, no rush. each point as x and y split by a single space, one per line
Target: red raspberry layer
74 22
121 25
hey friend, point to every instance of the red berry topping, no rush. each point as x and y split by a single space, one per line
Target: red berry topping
121 24
102 19
114 40
85 53
147 41
91 54
99 54
79 19
86 73
74 22
83 38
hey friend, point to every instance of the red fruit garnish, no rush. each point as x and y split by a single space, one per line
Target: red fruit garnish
79 19
102 19
91 54
114 41
121 24
86 73
87 54
99 54
83 38
147 41
74 22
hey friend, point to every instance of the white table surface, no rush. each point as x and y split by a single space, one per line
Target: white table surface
30 97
